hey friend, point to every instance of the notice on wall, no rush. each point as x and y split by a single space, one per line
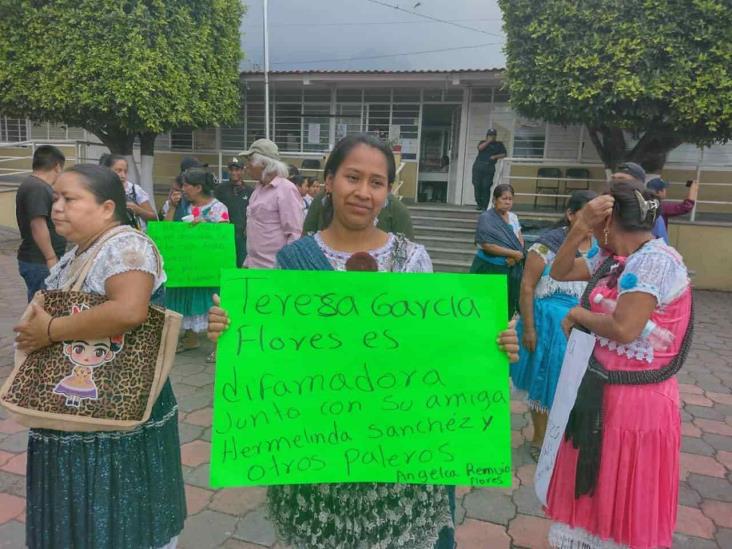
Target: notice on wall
194 255
361 377
409 146
574 365
313 134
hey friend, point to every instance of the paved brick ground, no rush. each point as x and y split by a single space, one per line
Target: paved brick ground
491 519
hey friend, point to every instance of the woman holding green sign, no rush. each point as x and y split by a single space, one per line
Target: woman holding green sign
358 178
192 303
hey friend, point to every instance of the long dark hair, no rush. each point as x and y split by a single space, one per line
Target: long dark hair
103 183
636 208
340 152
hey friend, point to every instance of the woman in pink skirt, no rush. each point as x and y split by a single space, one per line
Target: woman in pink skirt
616 478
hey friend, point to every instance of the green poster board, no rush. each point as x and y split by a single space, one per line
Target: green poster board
361 377
194 254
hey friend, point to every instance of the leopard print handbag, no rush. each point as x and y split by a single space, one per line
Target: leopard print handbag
106 384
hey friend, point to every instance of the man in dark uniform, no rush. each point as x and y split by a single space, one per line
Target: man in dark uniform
484 167
235 196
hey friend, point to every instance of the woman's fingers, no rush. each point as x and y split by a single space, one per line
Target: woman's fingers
597 210
218 319
508 341
215 329
218 313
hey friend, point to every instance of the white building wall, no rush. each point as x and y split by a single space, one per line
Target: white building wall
562 143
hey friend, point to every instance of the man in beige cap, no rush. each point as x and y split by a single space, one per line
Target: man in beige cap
275 214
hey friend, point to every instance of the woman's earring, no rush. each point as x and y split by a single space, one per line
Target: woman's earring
605 235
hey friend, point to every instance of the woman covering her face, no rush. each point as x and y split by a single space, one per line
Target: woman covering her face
616 478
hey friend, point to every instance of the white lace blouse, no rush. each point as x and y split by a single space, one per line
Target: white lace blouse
128 250
417 258
548 286
655 269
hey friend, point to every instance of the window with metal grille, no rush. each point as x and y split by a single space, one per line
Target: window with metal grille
254 122
181 139
288 125
529 139
377 95
501 95
204 139
348 121
432 95
378 118
406 95
233 138
349 95
316 126
316 95
482 95
404 129
453 95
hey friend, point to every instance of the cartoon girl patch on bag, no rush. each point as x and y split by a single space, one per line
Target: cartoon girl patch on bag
86 355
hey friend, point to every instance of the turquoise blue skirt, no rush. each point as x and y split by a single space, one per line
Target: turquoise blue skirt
538 372
189 301
107 489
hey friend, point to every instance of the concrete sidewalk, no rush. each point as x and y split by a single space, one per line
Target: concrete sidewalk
488 518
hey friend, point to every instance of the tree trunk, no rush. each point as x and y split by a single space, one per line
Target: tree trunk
609 143
147 160
650 152
117 141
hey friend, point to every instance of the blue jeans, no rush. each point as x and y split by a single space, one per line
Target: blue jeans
34 275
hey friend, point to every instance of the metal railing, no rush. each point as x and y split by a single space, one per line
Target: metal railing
504 168
30 147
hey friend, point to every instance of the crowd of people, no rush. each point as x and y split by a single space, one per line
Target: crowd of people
600 270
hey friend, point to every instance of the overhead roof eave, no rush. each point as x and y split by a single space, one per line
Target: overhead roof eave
376 77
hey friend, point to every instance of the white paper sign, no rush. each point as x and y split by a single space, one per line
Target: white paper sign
313 133
409 146
576 358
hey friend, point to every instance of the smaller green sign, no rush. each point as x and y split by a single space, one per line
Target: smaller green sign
194 254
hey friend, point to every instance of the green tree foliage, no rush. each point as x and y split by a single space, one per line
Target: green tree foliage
660 69
121 68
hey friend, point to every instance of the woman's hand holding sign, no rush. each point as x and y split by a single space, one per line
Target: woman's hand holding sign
218 320
508 342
